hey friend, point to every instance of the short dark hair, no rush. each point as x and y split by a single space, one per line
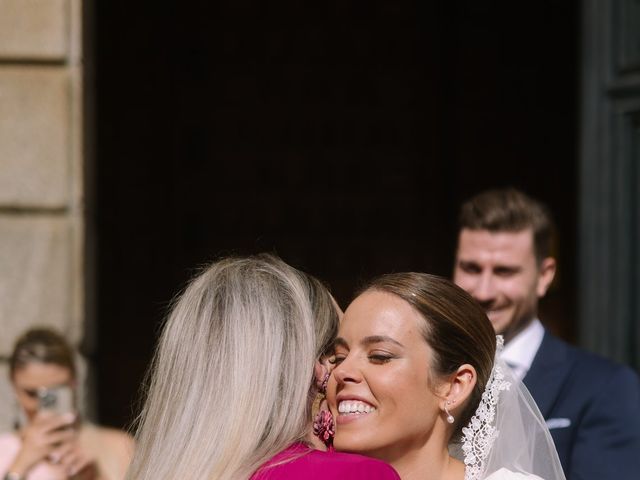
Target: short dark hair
509 210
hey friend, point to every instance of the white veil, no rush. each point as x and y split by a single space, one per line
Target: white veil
507 438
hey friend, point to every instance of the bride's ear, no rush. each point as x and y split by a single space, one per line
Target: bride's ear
458 387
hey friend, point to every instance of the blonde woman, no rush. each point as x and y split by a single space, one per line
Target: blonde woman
232 381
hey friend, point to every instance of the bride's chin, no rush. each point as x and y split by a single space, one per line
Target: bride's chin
360 446
348 445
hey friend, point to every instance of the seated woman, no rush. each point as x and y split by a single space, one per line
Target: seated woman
234 377
417 385
50 444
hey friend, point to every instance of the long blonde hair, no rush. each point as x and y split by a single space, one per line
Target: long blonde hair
229 385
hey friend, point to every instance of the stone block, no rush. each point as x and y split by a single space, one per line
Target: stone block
36 286
7 402
34 29
34 136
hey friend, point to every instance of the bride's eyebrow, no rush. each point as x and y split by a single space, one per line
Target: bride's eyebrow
380 339
370 340
340 342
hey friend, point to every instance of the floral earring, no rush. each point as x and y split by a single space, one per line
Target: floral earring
323 426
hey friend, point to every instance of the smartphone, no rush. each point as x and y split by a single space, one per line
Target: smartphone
57 399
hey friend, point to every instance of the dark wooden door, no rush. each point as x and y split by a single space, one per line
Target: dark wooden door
610 180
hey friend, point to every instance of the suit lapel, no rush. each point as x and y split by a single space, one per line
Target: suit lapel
548 372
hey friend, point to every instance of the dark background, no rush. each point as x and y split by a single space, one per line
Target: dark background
341 135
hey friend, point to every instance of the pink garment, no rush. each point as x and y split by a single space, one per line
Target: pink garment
9 448
309 464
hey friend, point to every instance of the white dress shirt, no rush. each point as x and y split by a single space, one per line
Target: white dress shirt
522 348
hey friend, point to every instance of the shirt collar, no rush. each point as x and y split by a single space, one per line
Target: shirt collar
522 348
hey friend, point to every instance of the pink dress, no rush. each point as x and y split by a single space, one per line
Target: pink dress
9 447
301 462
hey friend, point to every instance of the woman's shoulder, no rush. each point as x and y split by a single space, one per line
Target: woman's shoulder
9 443
112 449
110 437
8 438
296 462
358 466
9 446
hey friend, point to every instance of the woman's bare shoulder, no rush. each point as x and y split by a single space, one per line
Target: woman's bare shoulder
110 439
115 437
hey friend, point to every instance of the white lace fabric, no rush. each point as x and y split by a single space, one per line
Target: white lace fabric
507 437
479 435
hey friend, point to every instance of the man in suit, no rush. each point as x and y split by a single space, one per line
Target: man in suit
591 405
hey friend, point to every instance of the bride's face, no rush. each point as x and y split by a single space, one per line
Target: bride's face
380 392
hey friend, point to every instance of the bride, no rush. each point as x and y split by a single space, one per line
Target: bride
416 384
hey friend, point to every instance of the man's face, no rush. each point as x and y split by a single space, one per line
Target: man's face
500 270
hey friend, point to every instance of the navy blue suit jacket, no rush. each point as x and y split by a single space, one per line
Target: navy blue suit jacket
592 407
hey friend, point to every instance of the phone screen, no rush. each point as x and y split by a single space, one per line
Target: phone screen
57 399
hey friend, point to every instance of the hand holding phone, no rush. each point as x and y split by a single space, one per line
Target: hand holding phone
41 437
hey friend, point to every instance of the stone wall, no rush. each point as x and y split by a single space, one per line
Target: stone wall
41 186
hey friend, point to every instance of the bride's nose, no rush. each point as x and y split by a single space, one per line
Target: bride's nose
347 372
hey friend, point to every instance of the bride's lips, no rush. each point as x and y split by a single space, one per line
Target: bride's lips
351 409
